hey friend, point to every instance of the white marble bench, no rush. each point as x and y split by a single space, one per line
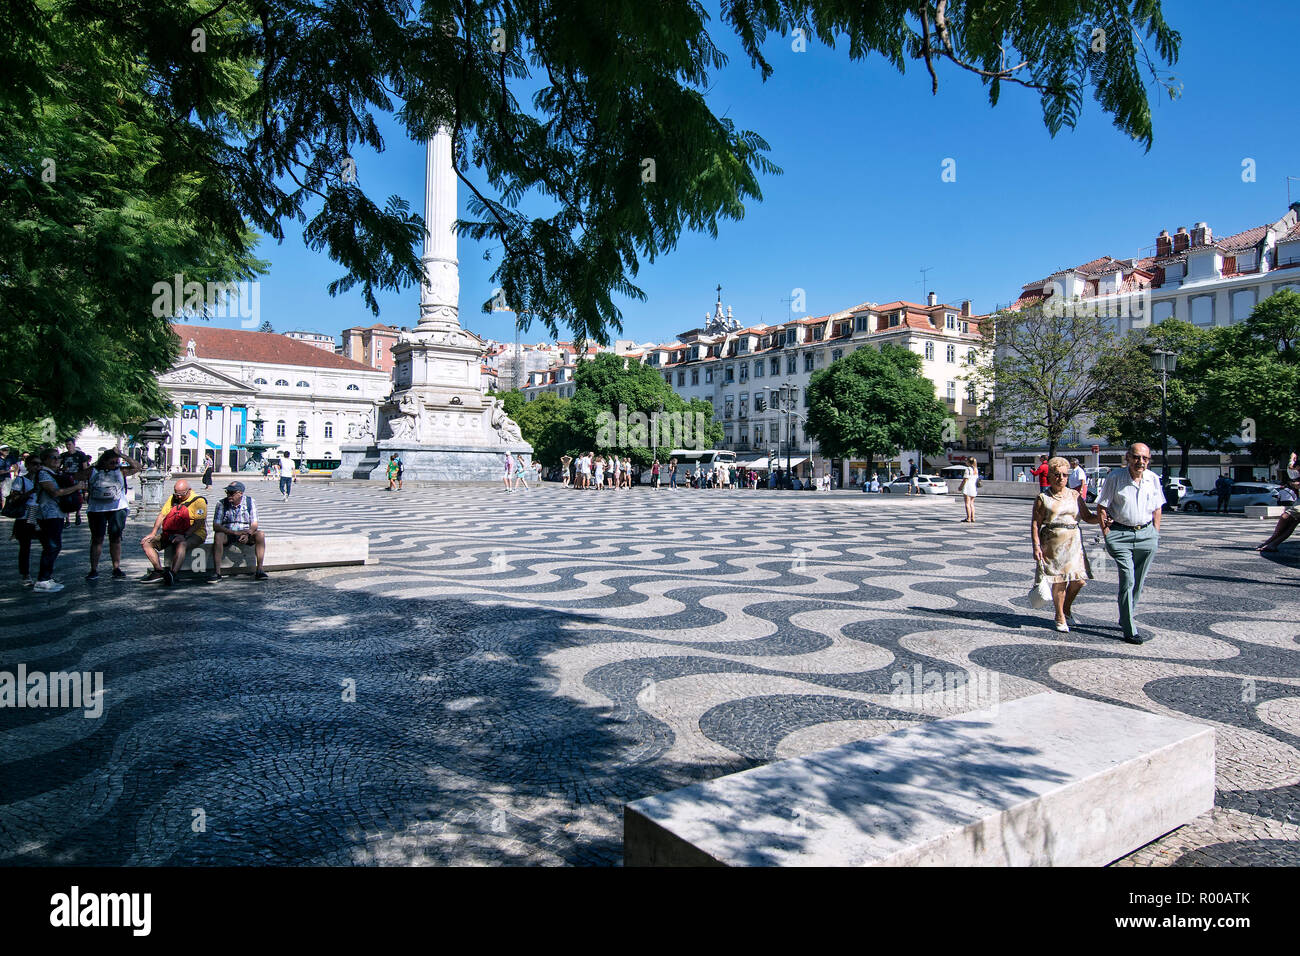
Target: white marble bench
285 553
1049 779
1264 511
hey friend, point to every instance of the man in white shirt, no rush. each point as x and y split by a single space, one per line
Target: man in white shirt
1129 504
1078 479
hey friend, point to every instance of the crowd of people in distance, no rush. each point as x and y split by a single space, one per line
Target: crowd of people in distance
47 491
591 470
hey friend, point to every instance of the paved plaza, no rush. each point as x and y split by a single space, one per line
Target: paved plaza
518 666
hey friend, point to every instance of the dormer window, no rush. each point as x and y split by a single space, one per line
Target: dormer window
817 331
950 321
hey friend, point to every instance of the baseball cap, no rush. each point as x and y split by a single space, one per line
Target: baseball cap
235 486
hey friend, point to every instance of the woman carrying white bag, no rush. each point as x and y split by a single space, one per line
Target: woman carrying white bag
1054 528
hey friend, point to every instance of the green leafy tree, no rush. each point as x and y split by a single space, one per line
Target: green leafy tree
612 406
872 403
1252 382
180 127
544 423
107 191
1128 409
513 401
1046 367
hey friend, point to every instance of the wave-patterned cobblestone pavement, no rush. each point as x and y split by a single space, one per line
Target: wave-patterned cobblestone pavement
524 664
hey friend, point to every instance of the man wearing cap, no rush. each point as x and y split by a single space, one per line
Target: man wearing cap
235 520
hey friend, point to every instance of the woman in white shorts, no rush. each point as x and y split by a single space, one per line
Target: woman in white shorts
969 489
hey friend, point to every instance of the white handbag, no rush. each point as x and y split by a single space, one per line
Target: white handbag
1040 595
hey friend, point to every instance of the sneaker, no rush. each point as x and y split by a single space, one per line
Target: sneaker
1063 627
28 582
49 586
260 576
217 576
168 578
92 576
152 575
1135 639
119 573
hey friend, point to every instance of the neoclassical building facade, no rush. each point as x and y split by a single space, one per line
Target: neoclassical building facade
224 378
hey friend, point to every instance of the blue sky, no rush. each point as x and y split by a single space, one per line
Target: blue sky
861 207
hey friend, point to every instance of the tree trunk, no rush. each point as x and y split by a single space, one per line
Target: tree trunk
1184 453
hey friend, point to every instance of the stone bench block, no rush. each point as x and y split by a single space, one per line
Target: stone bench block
286 553
1046 780
1264 511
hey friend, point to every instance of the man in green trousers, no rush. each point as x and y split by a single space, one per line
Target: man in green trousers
1129 504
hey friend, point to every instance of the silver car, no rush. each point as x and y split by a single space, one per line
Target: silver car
1243 493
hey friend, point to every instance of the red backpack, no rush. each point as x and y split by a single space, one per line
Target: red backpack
177 521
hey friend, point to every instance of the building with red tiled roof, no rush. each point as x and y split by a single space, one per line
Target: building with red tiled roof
734 367
371 345
311 401
1192 276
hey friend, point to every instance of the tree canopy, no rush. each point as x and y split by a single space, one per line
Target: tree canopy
178 129
1045 368
611 409
873 402
1129 409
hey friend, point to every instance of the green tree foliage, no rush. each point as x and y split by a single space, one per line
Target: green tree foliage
513 401
544 423
112 182
1252 381
1046 367
872 403
610 390
1128 409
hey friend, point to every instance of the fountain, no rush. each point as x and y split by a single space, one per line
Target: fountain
256 447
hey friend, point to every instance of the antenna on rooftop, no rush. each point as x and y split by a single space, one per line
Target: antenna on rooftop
923 272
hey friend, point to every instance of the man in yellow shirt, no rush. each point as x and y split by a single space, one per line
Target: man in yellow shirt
182 524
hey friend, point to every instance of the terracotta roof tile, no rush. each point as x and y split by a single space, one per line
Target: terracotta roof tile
236 345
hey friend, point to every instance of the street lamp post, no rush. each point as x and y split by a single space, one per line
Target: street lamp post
1164 361
302 439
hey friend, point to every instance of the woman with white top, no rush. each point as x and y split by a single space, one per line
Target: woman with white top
24 487
969 489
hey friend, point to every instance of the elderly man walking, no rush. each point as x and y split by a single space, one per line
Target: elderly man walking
1129 504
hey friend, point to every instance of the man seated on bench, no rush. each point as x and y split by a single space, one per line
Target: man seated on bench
235 520
182 524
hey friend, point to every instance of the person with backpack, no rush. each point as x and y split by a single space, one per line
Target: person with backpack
182 524
19 503
74 462
109 507
234 519
57 494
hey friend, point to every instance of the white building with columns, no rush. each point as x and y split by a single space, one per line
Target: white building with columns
223 378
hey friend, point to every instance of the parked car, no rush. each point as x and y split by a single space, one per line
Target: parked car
1177 490
929 484
1243 493
953 472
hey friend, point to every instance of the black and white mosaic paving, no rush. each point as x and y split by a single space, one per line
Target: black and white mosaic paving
519 665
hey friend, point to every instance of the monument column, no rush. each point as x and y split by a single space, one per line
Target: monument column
440 293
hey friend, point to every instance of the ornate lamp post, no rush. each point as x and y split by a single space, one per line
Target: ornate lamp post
151 479
1164 361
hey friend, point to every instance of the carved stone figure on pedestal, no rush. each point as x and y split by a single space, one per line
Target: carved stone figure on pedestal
507 430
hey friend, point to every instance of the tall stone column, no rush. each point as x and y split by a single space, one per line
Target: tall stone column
440 293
